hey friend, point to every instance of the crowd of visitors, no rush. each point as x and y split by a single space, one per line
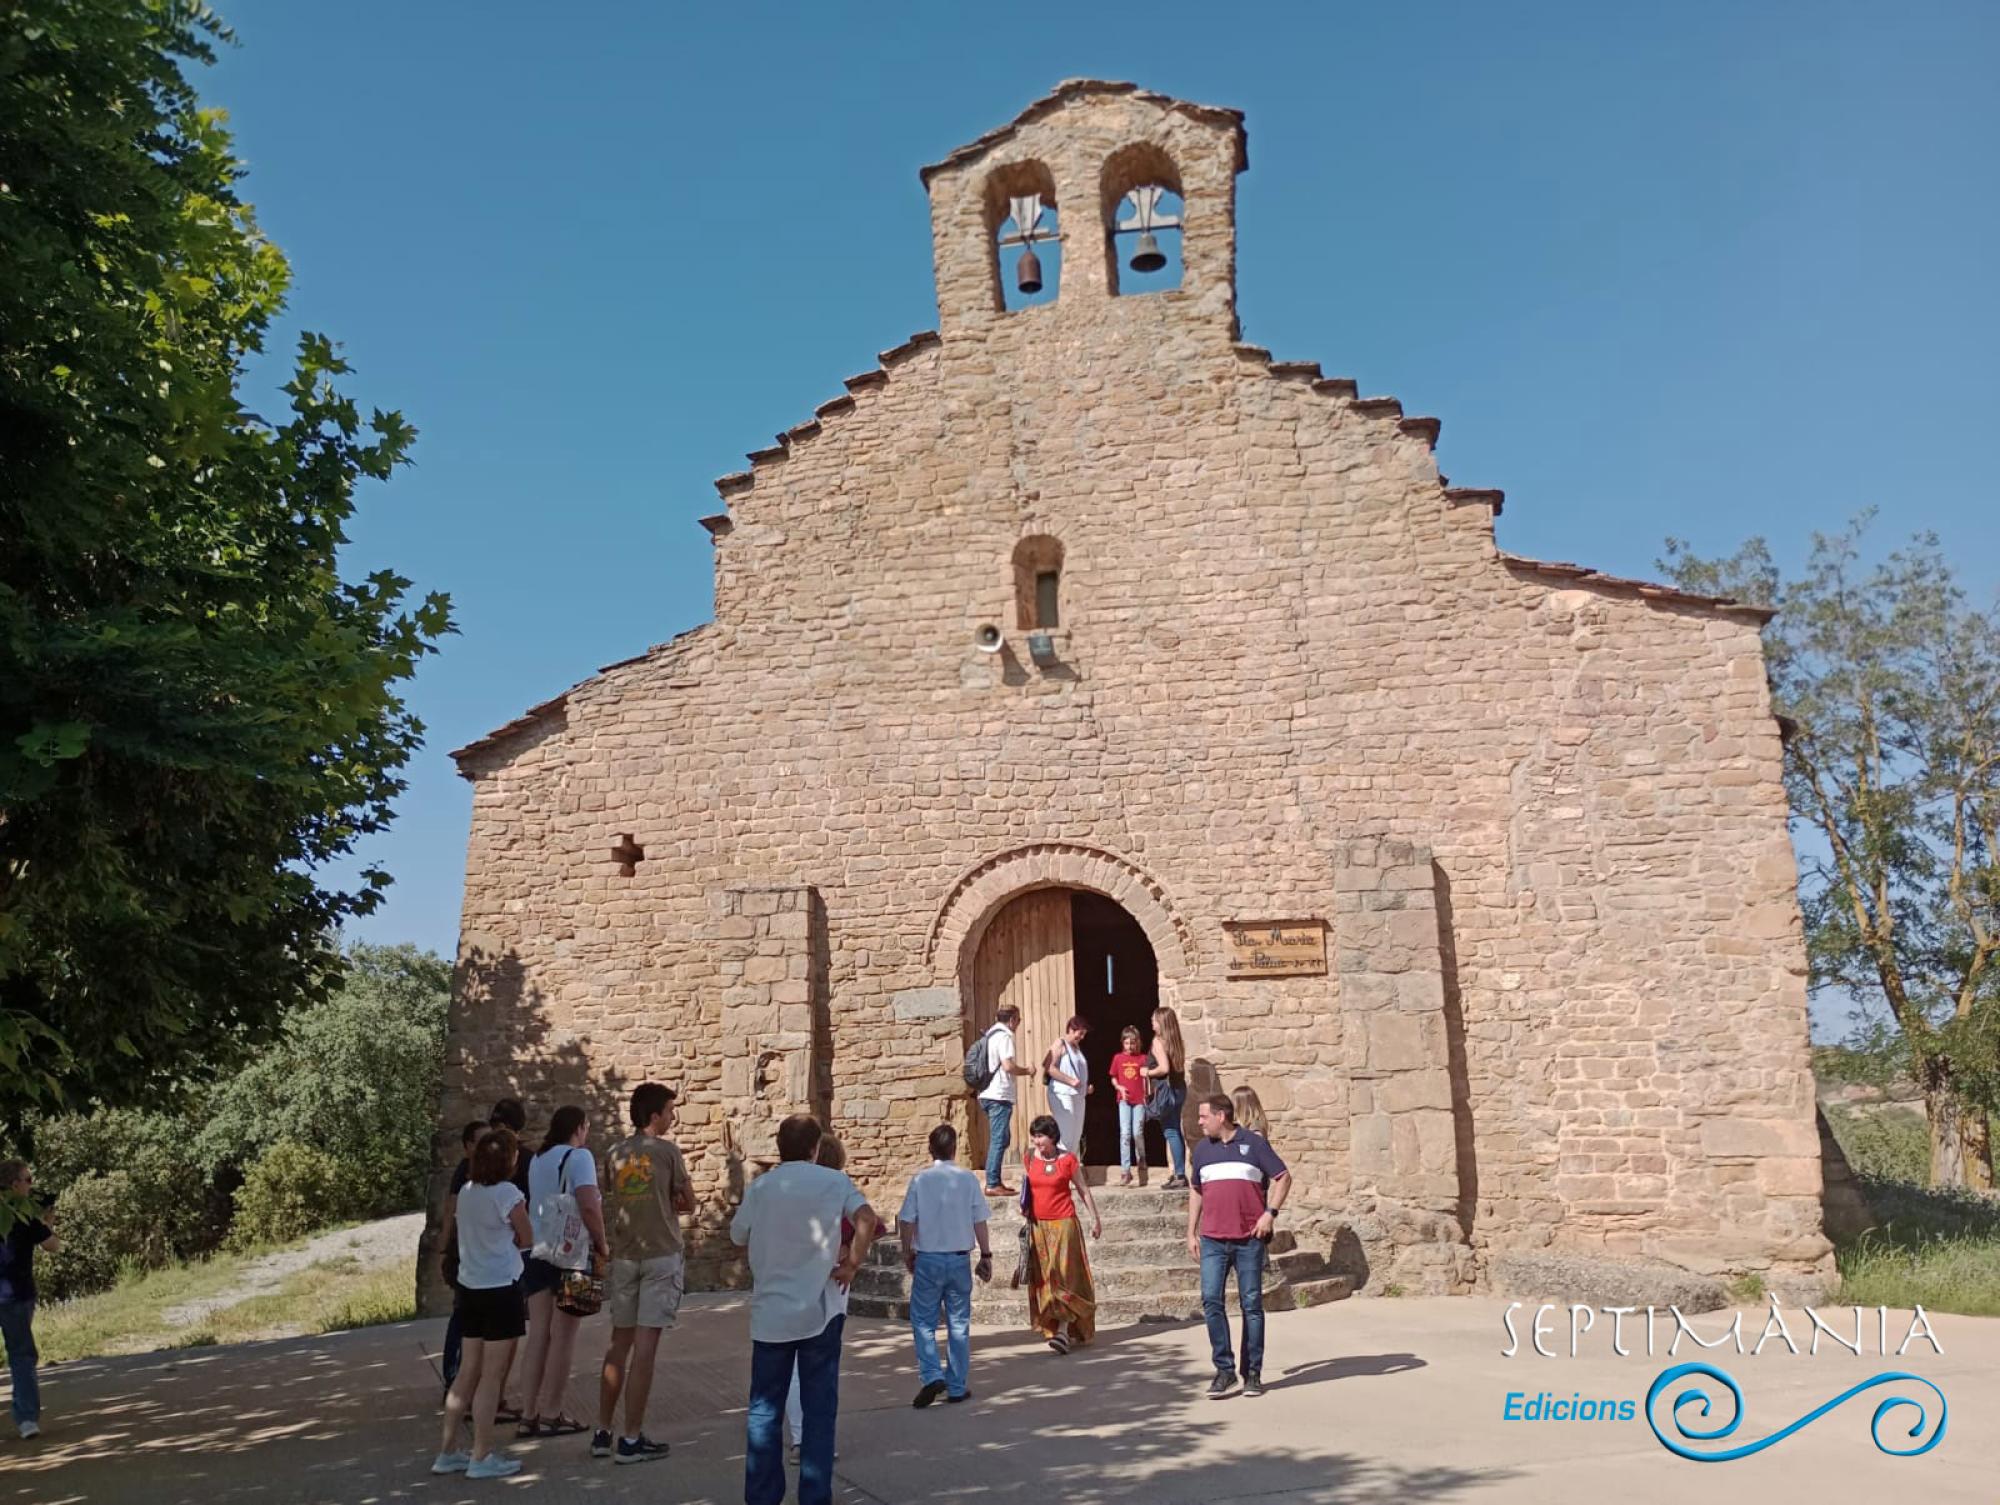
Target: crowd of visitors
535 1241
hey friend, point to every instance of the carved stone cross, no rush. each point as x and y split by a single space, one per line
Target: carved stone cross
628 854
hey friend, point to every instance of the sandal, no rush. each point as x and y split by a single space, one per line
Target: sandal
531 1426
1059 1344
505 1414
562 1426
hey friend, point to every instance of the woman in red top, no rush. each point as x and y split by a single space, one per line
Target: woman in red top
1062 1302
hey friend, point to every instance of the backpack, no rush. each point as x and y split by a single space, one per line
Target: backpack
979 1061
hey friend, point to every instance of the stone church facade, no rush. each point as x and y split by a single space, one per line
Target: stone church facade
1072 653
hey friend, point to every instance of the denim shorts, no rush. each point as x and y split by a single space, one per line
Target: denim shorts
538 1275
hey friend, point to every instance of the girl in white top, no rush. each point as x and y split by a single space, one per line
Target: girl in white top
1069 1082
492 1231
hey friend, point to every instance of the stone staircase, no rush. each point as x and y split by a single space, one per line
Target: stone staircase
1140 1267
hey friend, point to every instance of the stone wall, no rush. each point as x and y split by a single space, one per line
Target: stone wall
1404 1193
1283 634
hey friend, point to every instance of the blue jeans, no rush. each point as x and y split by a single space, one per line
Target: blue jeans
1131 1133
1176 1143
1246 1256
17 1324
1168 1100
999 1124
943 1279
818 1361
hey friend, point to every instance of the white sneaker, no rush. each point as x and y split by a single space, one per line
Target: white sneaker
451 1463
493 1466
30 1429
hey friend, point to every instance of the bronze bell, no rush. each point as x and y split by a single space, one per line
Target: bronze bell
1028 274
1149 257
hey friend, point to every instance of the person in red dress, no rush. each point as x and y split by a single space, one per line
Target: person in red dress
1062 1302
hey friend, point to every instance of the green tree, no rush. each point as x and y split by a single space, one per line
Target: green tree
353 1077
197 712
1888 684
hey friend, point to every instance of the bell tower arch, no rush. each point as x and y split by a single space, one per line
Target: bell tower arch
1074 146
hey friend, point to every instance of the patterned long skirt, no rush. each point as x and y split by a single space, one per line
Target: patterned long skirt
1059 1286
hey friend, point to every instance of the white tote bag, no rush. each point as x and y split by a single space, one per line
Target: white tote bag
560 1237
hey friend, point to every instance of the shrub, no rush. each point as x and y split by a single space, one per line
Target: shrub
355 1076
1884 1144
293 1189
106 1225
165 1179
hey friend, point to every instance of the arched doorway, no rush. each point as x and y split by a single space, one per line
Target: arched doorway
1054 953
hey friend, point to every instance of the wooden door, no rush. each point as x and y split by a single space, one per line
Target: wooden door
1026 958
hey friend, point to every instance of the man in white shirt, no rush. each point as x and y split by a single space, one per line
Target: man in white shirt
943 1214
790 1221
996 1098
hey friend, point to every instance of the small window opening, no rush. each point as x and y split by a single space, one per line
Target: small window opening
1109 988
1038 563
1146 241
1047 607
1030 243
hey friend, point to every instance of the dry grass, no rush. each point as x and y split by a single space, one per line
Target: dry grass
131 1316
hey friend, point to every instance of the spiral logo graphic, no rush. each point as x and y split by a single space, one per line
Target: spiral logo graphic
1694 1395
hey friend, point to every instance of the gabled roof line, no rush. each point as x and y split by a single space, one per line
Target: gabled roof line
1076 88
834 408
549 707
1650 590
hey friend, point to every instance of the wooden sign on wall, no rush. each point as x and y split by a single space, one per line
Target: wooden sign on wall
1276 948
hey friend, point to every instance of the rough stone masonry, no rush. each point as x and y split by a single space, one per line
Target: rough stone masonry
1536 808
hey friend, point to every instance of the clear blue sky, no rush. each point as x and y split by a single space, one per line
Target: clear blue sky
1704 269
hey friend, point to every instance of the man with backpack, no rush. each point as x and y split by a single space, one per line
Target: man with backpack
990 1069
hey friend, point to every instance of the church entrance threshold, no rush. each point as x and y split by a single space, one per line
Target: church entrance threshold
1054 953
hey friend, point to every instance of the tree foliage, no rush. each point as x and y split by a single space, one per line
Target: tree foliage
1888 680
197 712
354 1078
331 1120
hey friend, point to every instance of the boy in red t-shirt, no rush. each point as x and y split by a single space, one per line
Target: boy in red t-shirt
1128 1080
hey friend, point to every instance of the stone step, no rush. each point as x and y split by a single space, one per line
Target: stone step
1320 1291
1169 1286
1168 1254
1118 1226
998 1305
1118 1246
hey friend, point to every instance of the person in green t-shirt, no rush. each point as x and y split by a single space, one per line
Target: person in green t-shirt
646 1190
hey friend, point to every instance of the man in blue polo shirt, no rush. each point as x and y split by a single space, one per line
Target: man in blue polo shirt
1237 1183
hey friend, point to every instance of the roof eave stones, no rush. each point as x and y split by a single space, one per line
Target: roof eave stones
834 408
1077 88
535 714
1650 590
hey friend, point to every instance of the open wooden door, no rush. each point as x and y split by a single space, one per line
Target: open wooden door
1026 958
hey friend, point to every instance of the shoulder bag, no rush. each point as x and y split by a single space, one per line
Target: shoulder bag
567 1245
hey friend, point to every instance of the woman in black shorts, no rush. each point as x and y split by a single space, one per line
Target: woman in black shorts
492 1227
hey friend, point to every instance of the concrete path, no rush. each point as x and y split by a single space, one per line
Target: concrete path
1370 1401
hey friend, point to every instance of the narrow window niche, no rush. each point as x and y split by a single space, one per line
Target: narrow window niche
1038 583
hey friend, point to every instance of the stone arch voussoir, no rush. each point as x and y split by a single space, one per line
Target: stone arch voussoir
983 890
